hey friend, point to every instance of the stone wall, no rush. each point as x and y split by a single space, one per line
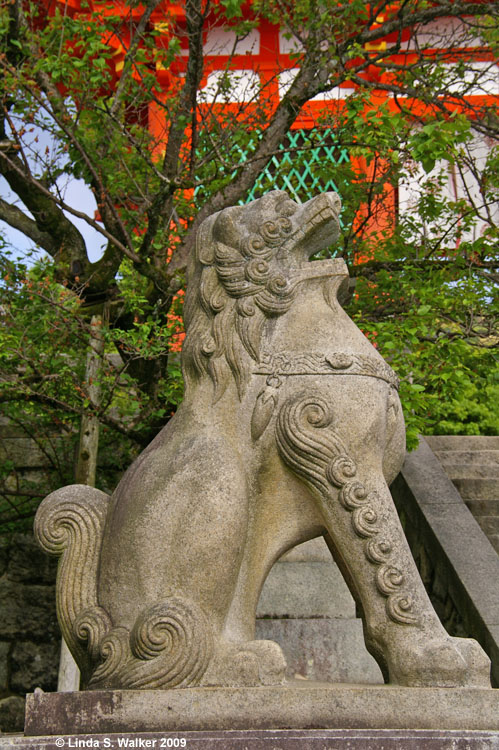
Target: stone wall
32 466
29 634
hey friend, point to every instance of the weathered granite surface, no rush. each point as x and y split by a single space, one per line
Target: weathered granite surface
291 427
295 705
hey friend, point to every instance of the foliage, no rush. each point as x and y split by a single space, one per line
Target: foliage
43 394
439 341
119 100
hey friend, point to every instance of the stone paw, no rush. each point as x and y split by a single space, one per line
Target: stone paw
247 664
271 661
477 661
448 662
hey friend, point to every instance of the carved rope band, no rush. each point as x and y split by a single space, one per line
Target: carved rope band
337 363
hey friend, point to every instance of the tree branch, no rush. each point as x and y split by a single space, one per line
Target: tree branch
42 398
371 267
17 219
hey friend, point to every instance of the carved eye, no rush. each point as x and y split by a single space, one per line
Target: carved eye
287 207
270 230
285 226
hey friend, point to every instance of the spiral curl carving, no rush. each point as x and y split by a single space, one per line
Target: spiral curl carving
158 628
115 652
378 551
400 609
277 284
91 626
70 523
388 579
309 444
257 270
275 232
246 307
341 469
353 495
177 637
257 247
364 521
170 645
302 442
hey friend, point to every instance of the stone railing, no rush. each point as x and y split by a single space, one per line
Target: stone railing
457 562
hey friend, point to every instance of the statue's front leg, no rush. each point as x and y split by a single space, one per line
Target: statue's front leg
402 628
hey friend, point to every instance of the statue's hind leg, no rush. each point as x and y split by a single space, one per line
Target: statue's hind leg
402 629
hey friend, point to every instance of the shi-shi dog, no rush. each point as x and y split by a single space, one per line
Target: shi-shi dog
291 428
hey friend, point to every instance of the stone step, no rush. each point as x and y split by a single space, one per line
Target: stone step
323 650
469 458
305 589
484 507
489 524
472 471
463 442
477 489
494 540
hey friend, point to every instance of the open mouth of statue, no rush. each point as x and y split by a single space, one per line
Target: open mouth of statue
318 227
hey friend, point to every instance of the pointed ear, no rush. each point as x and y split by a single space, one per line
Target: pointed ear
205 244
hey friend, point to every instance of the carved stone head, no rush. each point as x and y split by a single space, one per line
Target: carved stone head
246 269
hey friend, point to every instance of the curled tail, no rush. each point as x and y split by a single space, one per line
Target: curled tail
69 523
171 643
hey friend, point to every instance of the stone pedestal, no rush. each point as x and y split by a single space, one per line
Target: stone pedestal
270 739
293 706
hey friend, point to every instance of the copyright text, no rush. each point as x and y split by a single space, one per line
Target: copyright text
158 743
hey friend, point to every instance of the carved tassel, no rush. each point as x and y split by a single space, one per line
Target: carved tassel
265 404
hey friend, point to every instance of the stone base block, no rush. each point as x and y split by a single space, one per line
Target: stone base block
324 650
293 706
305 589
302 739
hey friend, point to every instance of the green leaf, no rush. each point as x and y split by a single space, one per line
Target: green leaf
233 8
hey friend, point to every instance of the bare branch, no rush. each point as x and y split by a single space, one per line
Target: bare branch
129 62
17 219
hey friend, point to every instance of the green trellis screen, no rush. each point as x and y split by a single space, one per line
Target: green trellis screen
303 167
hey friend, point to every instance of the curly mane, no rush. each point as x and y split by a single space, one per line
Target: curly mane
235 282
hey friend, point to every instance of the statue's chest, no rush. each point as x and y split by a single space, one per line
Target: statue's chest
316 337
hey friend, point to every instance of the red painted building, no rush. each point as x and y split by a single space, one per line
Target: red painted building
241 73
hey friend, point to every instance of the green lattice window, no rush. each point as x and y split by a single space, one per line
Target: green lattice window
304 166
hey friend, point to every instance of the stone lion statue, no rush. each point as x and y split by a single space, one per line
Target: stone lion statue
291 428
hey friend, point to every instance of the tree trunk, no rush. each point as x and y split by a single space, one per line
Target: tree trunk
86 465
